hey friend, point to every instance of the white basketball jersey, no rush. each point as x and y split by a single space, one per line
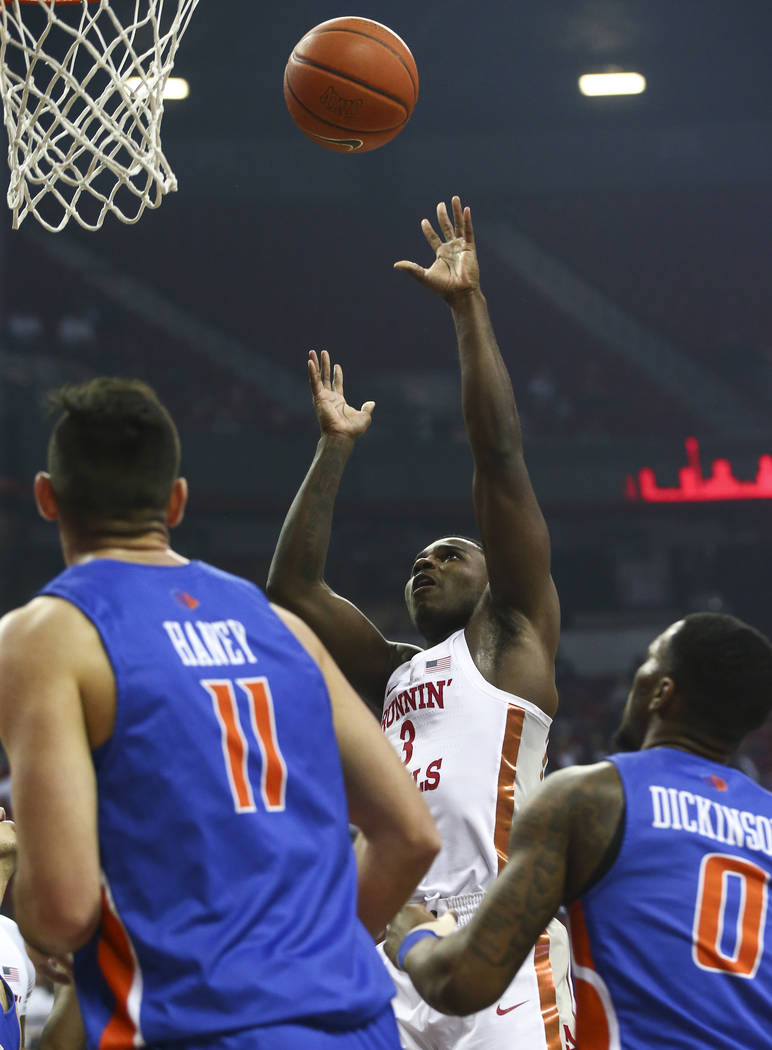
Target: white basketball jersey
474 751
15 965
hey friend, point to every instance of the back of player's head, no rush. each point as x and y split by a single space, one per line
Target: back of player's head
114 453
722 668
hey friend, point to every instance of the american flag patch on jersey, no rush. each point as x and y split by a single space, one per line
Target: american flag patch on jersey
11 973
438 665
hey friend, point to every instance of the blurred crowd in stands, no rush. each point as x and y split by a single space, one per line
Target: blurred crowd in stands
590 712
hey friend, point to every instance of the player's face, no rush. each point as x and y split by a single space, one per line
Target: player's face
446 582
648 678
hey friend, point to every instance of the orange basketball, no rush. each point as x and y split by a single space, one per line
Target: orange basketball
351 84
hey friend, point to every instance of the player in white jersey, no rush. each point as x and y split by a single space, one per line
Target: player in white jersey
470 715
16 967
63 1029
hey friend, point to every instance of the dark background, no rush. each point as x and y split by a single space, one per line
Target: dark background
626 252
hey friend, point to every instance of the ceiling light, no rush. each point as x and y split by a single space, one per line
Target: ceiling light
595 84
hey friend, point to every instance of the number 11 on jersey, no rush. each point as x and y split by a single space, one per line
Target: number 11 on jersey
235 747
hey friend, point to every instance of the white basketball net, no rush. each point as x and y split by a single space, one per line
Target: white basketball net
84 140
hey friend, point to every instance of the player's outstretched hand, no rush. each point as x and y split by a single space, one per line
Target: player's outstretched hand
334 414
454 272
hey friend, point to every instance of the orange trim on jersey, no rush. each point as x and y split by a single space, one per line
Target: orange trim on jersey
592 1028
505 794
547 998
118 966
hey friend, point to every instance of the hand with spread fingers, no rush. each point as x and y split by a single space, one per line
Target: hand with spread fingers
335 415
455 272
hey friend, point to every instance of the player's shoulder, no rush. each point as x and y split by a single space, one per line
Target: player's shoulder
10 934
215 573
403 653
43 617
583 788
10 930
304 634
401 656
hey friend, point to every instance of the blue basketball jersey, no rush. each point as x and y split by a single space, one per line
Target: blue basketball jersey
229 881
10 1031
673 945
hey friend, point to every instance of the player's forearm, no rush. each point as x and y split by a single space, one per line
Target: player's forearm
389 870
438 970
64 1028
487 398
51 928
304 540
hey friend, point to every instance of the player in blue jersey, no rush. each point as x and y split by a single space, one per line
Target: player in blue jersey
185 760
664 857
10 1032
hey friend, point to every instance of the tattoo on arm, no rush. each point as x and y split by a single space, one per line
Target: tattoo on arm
557 841
317 524
526 895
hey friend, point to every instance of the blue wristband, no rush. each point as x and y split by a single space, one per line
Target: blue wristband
412 938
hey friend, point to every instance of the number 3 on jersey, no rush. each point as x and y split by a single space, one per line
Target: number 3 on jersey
407 734
235 748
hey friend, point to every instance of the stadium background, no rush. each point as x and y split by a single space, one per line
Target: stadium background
626 252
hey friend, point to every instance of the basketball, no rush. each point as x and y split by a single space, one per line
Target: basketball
351 84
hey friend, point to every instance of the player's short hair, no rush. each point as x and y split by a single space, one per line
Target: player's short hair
469 539
457 536
461 536
722 667
114 452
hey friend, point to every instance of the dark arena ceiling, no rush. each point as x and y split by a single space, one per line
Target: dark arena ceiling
659 204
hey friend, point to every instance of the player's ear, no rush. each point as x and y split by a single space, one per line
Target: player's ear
45 500
663 695
175 510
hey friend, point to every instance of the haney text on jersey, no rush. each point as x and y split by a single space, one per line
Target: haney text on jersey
681 810
222 643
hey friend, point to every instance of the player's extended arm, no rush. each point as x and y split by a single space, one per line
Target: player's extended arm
558 840
514 533
296 576
42 728
63 1029
398 839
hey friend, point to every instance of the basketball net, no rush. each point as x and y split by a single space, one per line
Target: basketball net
82 93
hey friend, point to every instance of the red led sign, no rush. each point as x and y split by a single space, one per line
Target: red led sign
692 487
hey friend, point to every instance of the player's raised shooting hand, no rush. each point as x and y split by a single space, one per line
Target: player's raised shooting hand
334 414
455 271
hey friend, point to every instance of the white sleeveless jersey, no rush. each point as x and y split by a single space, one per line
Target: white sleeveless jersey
15 965
474 751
